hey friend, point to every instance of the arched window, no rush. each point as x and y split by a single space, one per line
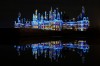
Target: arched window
84 18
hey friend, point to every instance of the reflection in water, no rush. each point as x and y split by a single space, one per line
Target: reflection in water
53 49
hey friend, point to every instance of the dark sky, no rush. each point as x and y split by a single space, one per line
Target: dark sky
10 8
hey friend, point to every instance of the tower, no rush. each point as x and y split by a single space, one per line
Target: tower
82 14
45 15
56 12
51 9
33 16
58 16
83 8
61 15
19 15
36 15
39 16
83 11
50 14
36 12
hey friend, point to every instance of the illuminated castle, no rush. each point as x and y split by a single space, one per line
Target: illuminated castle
53 21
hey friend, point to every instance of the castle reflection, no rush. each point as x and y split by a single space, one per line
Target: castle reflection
53 49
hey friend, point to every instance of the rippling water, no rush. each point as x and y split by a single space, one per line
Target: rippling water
77 51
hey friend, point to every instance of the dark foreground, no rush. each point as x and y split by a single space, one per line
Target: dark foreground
24 52
17 49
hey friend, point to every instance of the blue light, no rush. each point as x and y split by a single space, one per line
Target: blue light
39 19
53 51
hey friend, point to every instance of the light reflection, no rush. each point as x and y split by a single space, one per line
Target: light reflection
53 49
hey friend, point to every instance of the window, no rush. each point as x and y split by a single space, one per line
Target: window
84 18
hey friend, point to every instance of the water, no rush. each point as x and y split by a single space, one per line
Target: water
58 51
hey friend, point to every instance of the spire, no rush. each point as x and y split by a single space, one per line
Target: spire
51 9
61 15
58 16
22 20
57 9
56 12
50 14
39 16
19 14
33 17
83 9
45 15
36 12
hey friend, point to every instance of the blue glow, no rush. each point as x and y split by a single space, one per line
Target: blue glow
53 48
54 16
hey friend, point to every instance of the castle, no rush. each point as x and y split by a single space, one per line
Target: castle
53 21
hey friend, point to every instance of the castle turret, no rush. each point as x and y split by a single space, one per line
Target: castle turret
50 14
19 15
39 16
58 16
33 16
56 12
21 20
36 12
51 9
61 16
82 14
83 11
24 20
45 15
36 15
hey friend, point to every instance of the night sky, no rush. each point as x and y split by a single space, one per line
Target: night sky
9 9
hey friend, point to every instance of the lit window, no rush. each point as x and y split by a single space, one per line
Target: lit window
35 26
